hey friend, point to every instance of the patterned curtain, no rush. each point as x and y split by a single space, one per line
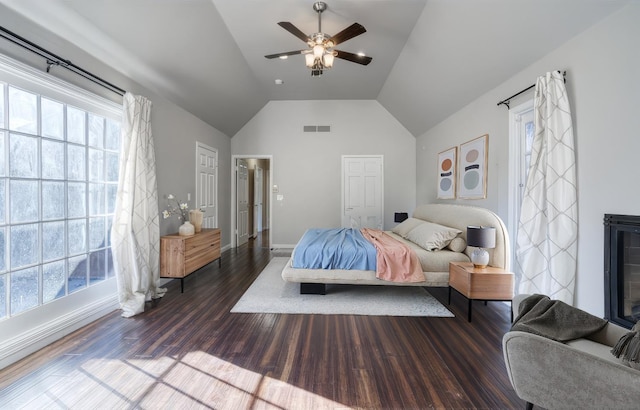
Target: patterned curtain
547 241
135 235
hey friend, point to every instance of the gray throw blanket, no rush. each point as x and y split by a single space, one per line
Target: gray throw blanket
629 345
555 319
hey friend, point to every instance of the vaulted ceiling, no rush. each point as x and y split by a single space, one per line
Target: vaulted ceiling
430 57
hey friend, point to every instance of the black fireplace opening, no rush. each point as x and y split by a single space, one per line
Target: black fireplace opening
622 269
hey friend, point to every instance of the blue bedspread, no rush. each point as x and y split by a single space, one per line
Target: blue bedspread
334 248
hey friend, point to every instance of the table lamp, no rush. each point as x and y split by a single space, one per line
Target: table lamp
481 237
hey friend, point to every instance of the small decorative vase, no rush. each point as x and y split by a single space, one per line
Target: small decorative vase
186 229
195 217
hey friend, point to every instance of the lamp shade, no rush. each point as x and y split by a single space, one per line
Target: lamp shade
400 216
481 236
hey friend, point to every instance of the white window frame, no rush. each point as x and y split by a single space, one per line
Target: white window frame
34 328
517 171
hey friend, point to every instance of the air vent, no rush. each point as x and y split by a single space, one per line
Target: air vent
316 128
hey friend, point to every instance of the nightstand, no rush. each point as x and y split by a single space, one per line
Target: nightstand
488 284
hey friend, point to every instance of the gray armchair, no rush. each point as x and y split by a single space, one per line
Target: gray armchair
581 373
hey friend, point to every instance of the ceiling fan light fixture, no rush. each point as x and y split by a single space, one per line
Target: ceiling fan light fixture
309 60
327 60
318 50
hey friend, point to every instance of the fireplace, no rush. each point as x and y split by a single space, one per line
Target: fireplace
622 269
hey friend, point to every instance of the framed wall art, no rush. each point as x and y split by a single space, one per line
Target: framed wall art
472 169
447 173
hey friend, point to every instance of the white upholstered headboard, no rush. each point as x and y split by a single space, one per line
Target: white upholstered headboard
461 216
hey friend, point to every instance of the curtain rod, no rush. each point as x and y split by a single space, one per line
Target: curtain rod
507 100
54 60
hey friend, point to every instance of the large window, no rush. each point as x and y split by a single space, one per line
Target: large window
58 179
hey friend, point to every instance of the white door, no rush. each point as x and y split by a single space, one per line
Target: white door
242 203
258 190
362 194
207 184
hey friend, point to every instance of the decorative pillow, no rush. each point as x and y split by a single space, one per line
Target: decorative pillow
405 226
432 236
457 244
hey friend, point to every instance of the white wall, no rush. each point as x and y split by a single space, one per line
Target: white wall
604 86
307 166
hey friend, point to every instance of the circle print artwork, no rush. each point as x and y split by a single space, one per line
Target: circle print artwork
471 180
446 165
445 184
472 155
472 183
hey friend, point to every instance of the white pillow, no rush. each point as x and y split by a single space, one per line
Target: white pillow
457 244
432 236
406 226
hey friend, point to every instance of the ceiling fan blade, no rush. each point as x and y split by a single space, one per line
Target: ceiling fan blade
354 58
288 53
294 30
348 33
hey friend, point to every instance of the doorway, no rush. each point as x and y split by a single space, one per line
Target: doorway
207 184
251 200
362 191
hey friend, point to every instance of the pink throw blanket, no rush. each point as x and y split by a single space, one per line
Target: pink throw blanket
395 261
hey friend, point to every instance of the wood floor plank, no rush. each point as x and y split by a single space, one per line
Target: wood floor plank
188 351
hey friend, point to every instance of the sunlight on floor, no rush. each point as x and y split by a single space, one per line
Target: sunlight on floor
198 380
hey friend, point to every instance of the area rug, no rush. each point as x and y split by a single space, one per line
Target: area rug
270 294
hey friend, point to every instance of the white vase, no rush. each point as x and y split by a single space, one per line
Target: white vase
195 217
186 229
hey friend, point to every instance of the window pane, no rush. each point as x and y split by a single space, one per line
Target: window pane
111 159
97 267
53 281
52 160
96 131
2 159
52 119
96 199
2 111
76 168
77 236
24 290
23 111
3 257
52 241
112 137
109 221
23 156
53 203
76 199
24 201
96 165
3 293
112 190
110 272
77 273
24 245
3 208
76 125
97 238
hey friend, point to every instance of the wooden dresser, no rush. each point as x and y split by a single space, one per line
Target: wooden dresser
182 255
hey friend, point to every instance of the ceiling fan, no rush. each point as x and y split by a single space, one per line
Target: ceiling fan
320 54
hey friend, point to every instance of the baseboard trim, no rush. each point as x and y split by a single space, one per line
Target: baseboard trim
28 342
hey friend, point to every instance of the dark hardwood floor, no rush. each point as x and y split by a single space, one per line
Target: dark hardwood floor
188 351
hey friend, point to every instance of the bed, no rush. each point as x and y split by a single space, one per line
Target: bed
415 232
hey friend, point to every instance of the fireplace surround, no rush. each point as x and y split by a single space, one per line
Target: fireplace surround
622 269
